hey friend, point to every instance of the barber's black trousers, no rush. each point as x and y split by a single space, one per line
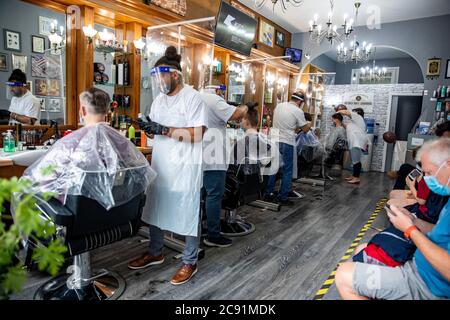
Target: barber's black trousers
357 169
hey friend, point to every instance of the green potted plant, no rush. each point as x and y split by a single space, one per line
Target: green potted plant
27 224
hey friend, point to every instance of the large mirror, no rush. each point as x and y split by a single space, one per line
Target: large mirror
25 45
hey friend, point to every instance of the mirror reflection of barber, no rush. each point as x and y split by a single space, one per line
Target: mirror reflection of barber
25 107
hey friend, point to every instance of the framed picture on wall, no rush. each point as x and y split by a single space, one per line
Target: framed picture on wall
37 44
3 62
433 67
30 86
280 38
266 33
45 25
447 70
19 62
53 105
13 40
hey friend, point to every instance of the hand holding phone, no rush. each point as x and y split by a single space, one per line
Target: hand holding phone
388 209
414 174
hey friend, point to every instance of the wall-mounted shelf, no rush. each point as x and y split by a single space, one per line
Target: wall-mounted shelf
111 85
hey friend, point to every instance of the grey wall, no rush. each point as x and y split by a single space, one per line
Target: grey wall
421 38
325 63
23 17
409 71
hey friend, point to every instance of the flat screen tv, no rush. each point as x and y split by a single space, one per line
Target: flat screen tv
295 55
234 29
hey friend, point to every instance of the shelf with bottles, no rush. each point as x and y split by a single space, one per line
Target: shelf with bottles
442 93
110 85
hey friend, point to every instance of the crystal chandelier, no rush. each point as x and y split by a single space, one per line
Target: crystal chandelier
284 3
372 74
317 33
355 52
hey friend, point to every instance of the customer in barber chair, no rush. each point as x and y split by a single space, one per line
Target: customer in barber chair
288 120
335 144
174 201
215 159
94 148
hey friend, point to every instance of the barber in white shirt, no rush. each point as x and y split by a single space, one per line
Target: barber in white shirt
24 108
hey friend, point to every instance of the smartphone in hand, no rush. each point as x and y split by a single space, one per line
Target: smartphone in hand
388 209
414 174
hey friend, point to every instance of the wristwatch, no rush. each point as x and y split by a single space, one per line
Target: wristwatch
408 231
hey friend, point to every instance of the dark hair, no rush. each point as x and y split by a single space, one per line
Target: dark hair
359 111
298 96
338 116
170 58
308 116
442 128
252 116
98 100
340 107
18 76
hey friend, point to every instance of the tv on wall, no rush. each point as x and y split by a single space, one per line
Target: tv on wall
295 55
234 29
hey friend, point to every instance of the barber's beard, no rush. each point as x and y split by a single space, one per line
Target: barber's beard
16 94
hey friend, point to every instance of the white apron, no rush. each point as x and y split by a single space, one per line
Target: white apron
173 200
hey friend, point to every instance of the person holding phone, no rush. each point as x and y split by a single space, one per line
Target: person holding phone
418 191
427 275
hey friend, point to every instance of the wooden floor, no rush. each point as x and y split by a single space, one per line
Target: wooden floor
289 256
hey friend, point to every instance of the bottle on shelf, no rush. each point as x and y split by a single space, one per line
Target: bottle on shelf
8 142
126 73
443 91
447 94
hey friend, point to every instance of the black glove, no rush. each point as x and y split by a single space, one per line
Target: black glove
251 105
152 127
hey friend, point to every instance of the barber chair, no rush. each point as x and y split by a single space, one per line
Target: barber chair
84 225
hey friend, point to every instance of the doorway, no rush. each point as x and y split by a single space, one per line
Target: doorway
405 110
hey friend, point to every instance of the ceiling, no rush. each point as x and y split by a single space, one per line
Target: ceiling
380 54
296 19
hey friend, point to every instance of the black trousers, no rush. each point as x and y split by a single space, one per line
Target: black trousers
402 173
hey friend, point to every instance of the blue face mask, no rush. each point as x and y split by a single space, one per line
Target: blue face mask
434 185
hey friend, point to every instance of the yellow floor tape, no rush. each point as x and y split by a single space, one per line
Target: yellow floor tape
330 280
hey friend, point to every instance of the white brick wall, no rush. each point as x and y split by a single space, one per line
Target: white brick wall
334 95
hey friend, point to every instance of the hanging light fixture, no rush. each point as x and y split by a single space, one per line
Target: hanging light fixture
318 33
285 4
56 39
355 52
372 74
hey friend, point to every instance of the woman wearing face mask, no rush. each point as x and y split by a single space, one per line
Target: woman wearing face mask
173 203
24 108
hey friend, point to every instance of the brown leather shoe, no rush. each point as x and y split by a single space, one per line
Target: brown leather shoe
145 261
184 274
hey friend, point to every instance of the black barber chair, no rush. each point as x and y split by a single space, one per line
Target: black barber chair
241 187
84 225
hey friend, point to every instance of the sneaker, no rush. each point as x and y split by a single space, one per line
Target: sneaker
286 202
144 261
220 242
184 274
269 197
295 195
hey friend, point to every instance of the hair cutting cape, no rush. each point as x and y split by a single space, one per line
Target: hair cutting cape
95 162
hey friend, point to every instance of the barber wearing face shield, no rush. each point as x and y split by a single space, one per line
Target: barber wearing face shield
24 108
215 159
173 202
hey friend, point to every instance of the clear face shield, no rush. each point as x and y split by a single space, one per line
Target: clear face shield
164 80
219 90
16 88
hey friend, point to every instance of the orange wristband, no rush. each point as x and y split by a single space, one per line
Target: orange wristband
408 231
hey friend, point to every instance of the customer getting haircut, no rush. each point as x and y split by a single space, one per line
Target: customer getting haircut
359 111
97 101
252 116
338 116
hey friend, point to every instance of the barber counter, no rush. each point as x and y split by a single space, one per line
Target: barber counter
13 164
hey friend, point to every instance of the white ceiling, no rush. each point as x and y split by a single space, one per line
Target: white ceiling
296 19
380 53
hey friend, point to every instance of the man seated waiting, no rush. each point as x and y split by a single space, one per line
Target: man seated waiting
427 275
92 160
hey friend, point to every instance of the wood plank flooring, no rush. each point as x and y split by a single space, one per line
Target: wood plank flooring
289 255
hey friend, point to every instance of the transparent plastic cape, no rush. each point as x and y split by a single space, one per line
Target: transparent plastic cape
255 153
95 162
335 140
309 146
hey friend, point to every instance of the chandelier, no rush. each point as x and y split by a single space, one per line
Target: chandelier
284 3
317 33
372 74
355 52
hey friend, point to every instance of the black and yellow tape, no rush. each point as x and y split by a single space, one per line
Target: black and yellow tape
348 254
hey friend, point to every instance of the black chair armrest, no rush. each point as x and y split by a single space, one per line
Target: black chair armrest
55 210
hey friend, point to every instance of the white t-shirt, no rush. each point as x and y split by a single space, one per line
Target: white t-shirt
356 131
287 118
191 114
26 105
216 146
